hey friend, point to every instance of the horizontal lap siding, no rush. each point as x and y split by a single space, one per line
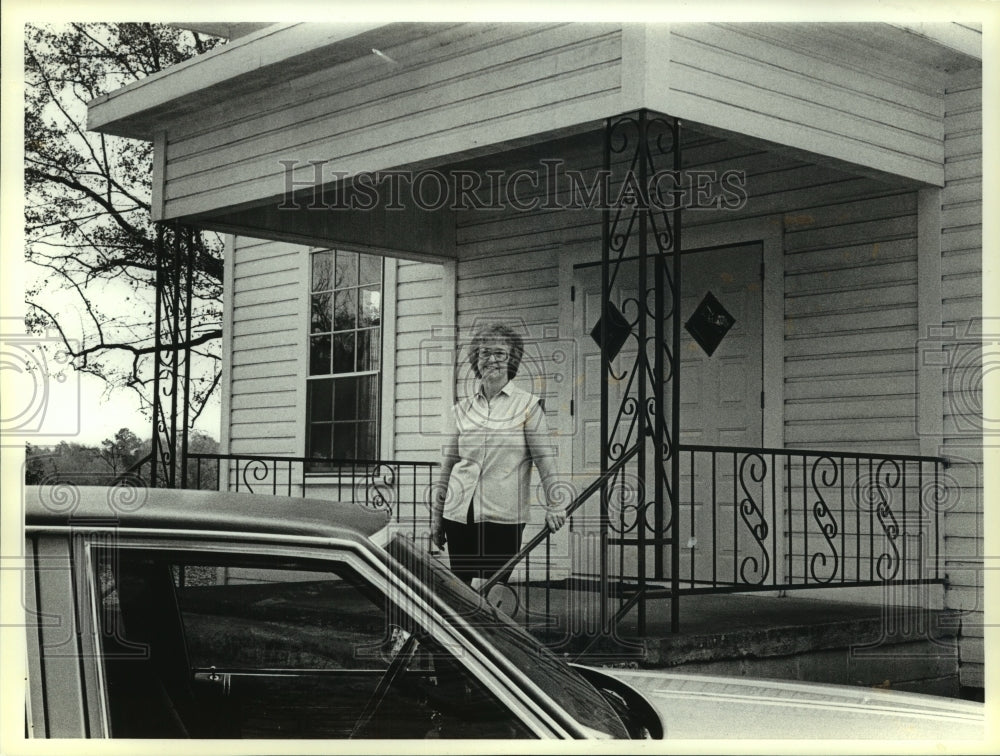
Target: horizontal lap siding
961 252
851 325
423 358
774 82
851 283
508 264
526 77
850 319
267 331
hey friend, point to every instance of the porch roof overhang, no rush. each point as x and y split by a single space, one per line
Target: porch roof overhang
247 64
236 128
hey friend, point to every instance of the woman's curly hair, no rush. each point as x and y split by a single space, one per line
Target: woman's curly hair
497 332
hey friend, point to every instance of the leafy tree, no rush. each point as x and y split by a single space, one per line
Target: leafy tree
120 452
66 462
203 474
80 464
37 464
89 238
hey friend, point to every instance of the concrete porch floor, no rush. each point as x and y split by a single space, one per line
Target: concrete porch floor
789 637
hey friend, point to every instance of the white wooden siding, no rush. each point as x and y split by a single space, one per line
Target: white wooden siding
850 308
851 325
786 83
961 252
842 91
268 372
266 332
850 283
422 362
366 115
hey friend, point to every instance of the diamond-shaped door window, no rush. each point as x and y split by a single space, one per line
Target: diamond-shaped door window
618 331
709 323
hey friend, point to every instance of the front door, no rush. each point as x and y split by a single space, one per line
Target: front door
720 393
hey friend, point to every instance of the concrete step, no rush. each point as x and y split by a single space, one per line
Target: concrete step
790 638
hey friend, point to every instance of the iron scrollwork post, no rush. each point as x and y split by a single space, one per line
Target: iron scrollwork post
640 233
174 277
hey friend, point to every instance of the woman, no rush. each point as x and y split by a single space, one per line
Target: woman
482 497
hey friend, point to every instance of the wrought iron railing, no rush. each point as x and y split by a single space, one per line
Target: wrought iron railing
748 519
783 519
401 488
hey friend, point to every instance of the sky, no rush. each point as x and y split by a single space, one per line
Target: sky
44 399
46 402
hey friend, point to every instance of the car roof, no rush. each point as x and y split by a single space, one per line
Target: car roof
181 509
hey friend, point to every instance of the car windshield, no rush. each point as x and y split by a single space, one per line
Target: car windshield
555 678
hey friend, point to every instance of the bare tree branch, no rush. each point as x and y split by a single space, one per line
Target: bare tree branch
87 228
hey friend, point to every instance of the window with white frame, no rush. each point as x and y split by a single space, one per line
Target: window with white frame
345 346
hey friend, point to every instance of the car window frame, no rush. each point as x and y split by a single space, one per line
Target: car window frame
367 559
474 633
57 548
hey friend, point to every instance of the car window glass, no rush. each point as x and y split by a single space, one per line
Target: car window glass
252 617
575 694
247 647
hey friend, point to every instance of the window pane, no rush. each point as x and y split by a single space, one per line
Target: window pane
371 269
368 349
368 397
343 353
322 270
345 394
321 320
319 355
347 269
320 400
369 306
343 440
319 440
367 441
344 309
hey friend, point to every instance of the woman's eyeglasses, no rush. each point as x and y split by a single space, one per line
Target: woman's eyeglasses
501 355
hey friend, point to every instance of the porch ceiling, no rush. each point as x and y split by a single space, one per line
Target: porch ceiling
314 215
319 219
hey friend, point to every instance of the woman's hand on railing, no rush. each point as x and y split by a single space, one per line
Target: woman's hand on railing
438 537
555 519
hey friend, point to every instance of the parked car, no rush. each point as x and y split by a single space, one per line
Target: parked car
169 614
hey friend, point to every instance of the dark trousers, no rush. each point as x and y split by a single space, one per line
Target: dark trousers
479 549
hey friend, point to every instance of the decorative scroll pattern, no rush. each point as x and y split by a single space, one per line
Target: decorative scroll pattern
400 489
254 471
626 497
887 478
379 487
825 474
640 237
753 469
